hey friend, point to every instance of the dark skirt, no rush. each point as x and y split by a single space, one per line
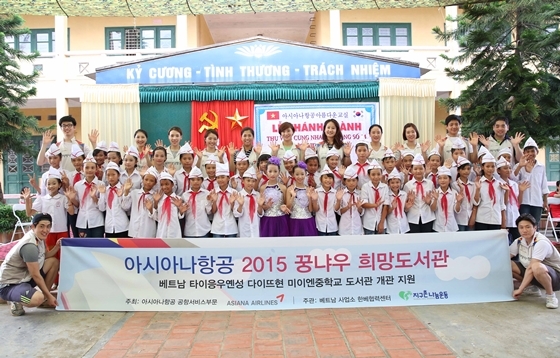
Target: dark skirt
303 227
274 226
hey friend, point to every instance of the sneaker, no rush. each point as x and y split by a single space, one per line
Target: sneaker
551 301
532 291
17 308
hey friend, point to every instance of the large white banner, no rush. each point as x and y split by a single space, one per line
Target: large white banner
308 119
284 273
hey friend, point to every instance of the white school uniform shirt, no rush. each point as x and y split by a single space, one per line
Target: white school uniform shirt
512 209
224 223
316 178
173 158
441 224
89 215
56 206
463 216
135 177
351 220
490 212
183 182
75 176
142 225
322 151
363 177
449 143
248 228
239 181
197 221
171 229
325 219
419 210
372 216
533 196
397 222
430 177
337 179
116 219
206 183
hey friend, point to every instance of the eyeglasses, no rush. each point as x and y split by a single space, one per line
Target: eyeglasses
67 126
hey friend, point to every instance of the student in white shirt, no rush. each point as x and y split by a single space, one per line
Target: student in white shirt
407 156
361 165
170 208
421 214
397 205
241 165
325 204
489 198
142 225
434 162
54 157
513 195
197 221
100 155
313 177
90 221
110 201
389 163
114 154
351 209
186 157
223 198
448 203
373 195
333 162
289 161
77 157
466 187
535 198
209 182
130 170
248 206
262 164
298 201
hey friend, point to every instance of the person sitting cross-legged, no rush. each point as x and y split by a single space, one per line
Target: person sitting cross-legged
29 265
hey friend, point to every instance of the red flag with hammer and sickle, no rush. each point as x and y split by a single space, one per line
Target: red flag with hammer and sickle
226 117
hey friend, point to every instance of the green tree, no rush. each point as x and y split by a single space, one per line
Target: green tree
509 57
15 88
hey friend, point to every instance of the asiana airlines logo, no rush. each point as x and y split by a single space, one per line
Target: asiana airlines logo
258 51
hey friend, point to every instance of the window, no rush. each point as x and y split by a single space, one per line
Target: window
41 40
376 34
124 38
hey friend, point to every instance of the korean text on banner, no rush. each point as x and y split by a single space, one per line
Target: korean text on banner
248 274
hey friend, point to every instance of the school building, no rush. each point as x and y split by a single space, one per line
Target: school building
72 48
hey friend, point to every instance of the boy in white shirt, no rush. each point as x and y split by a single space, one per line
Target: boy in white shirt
397 205
448 203
466 187
489 198
313 177
170 208
325 204
186 157
351 209
130 171
110 201
362 165
374 195
421 213
223 198
434 162
197 222
77 156
248 206
209 182
513 195
142 225
241 164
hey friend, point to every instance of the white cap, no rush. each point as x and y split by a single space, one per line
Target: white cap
167 176
443 171
265 150
76 151
310 153
434 152
212 159
482 151
350 173
530 143
52 151
388 154
501 162
113 166
462 161
505 151
250 173
102 146
458 143
406 152
241 156
394 174
195 173
114 147
222 169
418 160
289 156
333 152
133 151
326 170
54 173
153 172
374 164
185 149
90 158
488 158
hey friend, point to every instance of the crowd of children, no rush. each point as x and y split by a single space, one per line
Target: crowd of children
291 190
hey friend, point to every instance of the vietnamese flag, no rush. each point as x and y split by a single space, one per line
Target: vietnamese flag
273 115
226 117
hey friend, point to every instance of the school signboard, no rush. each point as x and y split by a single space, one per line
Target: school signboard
284 273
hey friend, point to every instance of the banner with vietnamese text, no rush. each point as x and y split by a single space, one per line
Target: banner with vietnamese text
284 273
